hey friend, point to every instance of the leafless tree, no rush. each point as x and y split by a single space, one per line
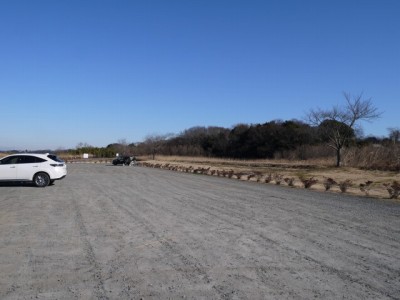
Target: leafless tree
122 146
83 145
394 134
339 124
154 141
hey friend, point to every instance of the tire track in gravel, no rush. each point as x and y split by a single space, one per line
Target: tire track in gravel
226 204
300 208
226 210
382 237
109 214
219 214
122 257
226 214
171 248
99 290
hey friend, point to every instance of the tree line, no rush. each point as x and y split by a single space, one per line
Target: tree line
243 141
324 133
277 139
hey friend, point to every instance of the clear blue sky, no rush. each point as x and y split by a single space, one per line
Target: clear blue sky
100 71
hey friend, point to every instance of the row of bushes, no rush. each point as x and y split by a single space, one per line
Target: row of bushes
392 188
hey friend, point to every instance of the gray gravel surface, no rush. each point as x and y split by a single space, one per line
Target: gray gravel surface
108 232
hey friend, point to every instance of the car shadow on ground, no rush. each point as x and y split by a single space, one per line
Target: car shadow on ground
12 184
20 184
111 165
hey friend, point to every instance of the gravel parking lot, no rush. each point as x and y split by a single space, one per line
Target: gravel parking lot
113 232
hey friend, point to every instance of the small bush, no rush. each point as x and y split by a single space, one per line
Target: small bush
250 176
289 181
393 189
268 178
328 183
258 176
366 187
239 175
344 185
278 179
308 182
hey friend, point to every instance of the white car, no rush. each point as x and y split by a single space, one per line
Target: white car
41 169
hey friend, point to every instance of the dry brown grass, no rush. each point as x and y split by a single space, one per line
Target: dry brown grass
261 170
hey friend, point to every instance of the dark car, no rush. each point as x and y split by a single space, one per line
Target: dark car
124 160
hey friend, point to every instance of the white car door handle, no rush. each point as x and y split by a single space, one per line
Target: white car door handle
12 167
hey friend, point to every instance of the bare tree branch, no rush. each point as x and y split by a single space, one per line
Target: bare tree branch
340 124
358 109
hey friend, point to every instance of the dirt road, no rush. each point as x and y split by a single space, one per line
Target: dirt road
107 232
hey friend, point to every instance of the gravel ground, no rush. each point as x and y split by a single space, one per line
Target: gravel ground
108 232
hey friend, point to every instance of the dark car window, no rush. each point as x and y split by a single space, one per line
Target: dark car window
55 158
39 160
10 160
27 159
